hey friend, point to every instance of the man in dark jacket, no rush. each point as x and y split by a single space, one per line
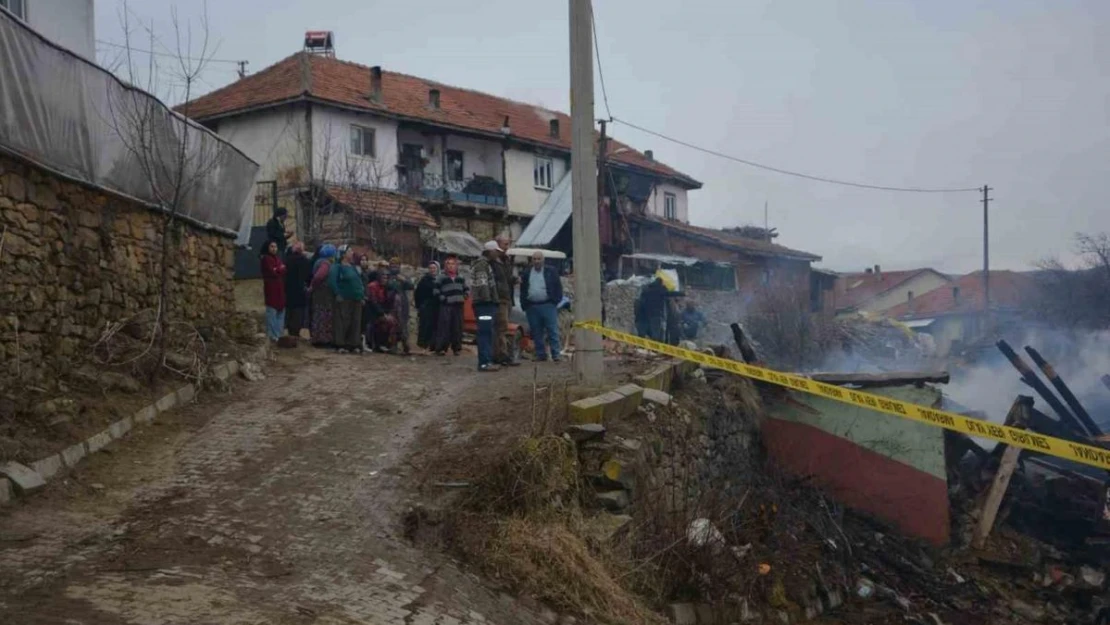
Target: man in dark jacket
653 306
450 291
427 308
484 298
540 294
275 229
298 271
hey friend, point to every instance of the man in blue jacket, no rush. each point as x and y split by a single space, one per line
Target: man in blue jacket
540 294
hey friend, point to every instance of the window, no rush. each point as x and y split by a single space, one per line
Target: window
670 206
454 165
543 173
17 8
362 141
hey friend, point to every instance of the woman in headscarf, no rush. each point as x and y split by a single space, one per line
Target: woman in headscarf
298 273
427 308
398 288
323 299
346 282
383 323
273 290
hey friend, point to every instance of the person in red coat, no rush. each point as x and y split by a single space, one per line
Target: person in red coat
273 290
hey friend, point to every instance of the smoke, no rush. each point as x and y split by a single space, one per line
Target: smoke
1079 357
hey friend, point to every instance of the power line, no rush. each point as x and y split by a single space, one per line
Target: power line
597 53
787 172
165 54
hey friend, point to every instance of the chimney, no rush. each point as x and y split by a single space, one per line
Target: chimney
879 272
867 271
376 84
956 294
553 128
649 155
505 129
433 99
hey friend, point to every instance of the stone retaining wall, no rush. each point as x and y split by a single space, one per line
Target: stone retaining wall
75 259
720 308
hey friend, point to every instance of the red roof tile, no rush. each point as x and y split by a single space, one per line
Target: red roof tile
732 241
861 287
384 204
1008 290
348 84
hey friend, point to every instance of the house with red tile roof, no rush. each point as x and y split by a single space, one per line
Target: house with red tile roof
338 138
954 313
875 291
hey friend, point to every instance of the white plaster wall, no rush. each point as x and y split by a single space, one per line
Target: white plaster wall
331 137
523 196
275 139
655 202
480 158
69 23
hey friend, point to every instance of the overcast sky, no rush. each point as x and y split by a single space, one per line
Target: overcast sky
922 93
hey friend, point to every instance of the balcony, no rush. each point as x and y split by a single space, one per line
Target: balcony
477 190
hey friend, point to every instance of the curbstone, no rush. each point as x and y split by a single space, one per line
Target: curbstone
633 397
48 467
168 402
120 428
659 378
96 442
22 477
146 415
73 454
6 493
657 396
185 394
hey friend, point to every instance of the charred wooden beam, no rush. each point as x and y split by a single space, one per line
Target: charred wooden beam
1030 378
1018 417
893 378
747 352
1065 391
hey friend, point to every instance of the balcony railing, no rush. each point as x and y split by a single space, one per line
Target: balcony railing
475 190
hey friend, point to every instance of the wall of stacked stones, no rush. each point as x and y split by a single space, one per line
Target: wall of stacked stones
75 259
721 308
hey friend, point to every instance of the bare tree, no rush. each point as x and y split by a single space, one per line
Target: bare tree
166 151
1076 296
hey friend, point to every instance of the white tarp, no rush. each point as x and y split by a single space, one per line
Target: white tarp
70 116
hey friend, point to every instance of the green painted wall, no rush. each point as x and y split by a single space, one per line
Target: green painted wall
909 442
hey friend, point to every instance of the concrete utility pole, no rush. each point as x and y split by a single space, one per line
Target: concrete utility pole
589 366
986 254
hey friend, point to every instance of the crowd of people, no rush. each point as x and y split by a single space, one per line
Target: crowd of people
353 305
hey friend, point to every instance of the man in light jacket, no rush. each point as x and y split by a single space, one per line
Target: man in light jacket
540 294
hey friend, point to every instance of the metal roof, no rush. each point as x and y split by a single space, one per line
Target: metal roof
553 214
671 259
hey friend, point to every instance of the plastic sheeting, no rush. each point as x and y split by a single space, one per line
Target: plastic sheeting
70 116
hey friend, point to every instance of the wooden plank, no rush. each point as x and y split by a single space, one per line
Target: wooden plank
892 378
1017 417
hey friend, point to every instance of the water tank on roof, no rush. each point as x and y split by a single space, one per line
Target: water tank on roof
319 42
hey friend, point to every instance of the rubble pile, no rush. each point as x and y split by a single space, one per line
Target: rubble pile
867 343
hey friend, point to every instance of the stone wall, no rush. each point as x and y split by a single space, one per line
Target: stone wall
74 259
721 308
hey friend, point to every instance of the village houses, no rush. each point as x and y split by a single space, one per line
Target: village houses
401 165
876 291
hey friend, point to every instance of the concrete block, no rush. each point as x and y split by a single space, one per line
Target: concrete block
656 396
633 397
658 378
48 467
169 402
120 428
22 477
96 442
582 432
6 492
72 455
185 394
682 614
221 372
145 415
589 410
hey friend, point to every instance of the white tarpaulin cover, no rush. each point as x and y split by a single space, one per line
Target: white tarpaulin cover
70 116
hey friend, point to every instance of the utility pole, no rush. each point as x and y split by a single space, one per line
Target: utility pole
766 230
589 366
986 253
602 207
242 68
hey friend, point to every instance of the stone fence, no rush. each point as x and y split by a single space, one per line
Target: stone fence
721 308
74 259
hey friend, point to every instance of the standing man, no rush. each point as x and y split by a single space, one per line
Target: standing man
275 229
298 273
451 291
503 273
540 294
484 297
653 306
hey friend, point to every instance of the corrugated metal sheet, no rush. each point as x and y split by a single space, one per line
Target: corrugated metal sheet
455 242
551 217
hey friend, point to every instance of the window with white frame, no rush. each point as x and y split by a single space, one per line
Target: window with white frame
670 206
17 8
362 141
543 173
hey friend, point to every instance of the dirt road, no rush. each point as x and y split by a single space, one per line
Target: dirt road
278 503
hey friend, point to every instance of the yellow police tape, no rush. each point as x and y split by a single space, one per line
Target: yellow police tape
1025 439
